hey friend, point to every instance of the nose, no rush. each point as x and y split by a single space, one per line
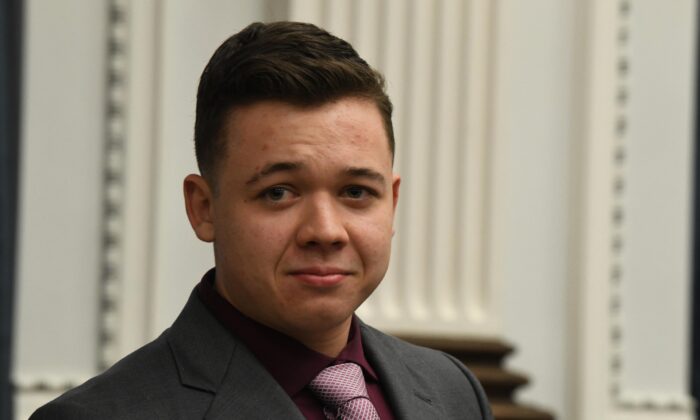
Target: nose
321 225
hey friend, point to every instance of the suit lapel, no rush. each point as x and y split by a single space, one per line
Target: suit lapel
248 391
210 359
408 395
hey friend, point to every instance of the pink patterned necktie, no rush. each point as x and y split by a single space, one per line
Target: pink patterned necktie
341 389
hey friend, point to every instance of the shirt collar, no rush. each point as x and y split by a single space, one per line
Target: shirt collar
290 363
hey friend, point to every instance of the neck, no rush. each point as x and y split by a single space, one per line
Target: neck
329 343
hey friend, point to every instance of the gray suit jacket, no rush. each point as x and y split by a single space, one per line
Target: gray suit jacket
198 370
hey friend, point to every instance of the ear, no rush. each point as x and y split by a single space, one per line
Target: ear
396 183
199 205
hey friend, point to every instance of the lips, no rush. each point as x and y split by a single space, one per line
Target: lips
320 276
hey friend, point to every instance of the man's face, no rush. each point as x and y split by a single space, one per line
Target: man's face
302 219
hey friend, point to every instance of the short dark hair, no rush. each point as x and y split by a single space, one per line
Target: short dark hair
293 62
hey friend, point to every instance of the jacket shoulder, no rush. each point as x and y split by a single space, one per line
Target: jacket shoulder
452 382
139 386
64 409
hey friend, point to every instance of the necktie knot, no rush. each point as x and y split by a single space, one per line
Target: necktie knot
341 388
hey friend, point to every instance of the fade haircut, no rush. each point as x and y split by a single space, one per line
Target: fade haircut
293 62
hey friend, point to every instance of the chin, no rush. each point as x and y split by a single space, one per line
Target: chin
325 317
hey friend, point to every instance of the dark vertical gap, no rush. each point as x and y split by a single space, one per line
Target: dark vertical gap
695 302
10 72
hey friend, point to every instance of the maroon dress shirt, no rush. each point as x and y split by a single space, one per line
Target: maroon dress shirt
290 363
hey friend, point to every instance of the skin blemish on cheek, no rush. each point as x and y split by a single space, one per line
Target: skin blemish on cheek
264 147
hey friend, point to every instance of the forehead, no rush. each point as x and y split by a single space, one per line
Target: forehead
348 128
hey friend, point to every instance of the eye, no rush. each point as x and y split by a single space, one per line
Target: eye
357 192
276 193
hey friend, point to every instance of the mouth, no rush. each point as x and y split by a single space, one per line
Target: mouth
320 276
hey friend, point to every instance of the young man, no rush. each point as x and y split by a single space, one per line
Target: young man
295 148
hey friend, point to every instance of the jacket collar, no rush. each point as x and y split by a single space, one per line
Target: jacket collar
409 394
209 358
202 348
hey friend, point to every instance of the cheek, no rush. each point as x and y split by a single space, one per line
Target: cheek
374 245
259 240
264 239
248 236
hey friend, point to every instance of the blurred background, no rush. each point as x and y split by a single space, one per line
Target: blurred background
547 150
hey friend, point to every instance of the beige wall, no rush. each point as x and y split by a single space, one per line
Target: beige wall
527 91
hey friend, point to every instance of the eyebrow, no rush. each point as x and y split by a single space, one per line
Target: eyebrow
365 173
295 166
274 168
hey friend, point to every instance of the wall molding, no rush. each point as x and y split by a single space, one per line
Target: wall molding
661 403
113 184
604 336
618 210
625 399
